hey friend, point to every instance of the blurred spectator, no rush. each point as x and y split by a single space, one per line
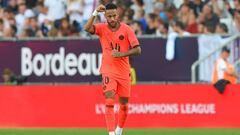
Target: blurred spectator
222 28
3 3
10 31
56 10
1 27
196 6
152 21
9 78
162 30
65 28
148 6
137 27
237 4
158 7
201 28
31 28
179 28
75 29
75 10
42 13
208 29
235 23
153 16
8 18
136 7
6 75
127 19
177 3
12 5
47 26
187 17
219 8
53 32
223 69
31 3
21 17
232 7
139 16
89 7
208 17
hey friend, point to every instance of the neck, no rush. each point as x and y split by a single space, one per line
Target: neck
114 28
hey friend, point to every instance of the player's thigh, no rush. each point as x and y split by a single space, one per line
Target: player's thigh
124 88
109 86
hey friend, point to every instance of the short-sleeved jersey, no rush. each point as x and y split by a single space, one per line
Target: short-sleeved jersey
125 37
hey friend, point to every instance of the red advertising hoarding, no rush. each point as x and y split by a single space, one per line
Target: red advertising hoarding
150 106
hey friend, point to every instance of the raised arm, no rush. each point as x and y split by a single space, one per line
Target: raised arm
89 27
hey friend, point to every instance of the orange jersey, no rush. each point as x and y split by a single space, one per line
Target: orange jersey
125 37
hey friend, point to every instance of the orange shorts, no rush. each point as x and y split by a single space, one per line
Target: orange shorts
121 87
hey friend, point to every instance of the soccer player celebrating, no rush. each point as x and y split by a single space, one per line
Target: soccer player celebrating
118 42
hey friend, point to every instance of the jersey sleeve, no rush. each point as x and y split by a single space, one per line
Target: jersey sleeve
98 29
132 38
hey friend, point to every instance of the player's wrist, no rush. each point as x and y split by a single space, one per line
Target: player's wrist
95 13
123 54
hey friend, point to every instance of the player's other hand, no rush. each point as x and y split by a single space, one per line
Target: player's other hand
116 51
101 8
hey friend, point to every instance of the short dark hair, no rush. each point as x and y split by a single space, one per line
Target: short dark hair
152 16
14 28
223 26
110 6
166 25
210 27
180 24
225 49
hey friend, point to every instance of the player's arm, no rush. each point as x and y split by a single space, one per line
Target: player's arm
231 71
132 52
89 26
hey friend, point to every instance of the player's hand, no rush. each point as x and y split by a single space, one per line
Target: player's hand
101 8
116 51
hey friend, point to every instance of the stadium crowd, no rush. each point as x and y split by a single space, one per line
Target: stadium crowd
61 18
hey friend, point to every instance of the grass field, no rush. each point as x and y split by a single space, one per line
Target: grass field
75 131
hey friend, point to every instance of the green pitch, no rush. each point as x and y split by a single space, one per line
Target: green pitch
75 131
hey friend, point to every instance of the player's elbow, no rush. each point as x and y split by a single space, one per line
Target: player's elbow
86 28
89 29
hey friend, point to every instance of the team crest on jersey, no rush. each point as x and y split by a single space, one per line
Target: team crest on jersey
121 37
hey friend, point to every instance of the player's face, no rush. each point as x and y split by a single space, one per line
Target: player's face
112 17
225 55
